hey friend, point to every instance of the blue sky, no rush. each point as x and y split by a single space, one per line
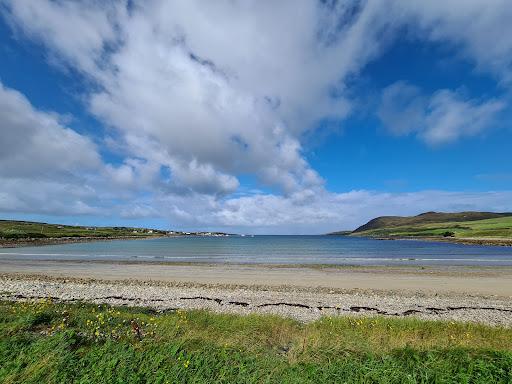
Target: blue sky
239 117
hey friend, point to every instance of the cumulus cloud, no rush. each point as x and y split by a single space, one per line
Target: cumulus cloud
441 118
217 89
46 167
77 33
71 179
196 94
36 144
19 195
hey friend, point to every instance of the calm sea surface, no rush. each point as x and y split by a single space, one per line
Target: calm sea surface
272 250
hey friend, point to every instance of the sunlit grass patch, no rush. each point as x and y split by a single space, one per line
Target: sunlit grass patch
41 341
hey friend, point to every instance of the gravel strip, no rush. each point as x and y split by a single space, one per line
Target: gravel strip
301 304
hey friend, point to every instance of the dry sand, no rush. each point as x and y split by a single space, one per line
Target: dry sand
463 280
476 294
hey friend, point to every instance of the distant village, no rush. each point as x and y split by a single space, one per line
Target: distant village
12 230
179 233
146 231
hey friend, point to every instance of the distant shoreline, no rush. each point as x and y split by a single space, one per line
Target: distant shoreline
455 240
16 233
37 242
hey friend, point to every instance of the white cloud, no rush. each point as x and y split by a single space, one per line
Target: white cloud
208 91
133 175
217 90
24 195
319 211
450 117
480 29
78 31
71 179
439 119
46 167
36 144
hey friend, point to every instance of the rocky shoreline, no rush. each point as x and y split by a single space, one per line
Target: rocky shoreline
456 240
303 304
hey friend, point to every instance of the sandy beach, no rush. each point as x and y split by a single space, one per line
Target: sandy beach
476 294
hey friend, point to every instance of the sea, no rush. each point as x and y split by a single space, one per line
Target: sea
287 250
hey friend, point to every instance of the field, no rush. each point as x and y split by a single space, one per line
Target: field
44 342
496 228
10 229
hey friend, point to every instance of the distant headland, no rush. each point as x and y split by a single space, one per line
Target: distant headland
486 228
21 233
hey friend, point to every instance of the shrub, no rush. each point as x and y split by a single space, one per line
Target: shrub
30 235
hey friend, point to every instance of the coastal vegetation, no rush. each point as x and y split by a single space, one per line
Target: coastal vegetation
484 227
43 341
11 229
12 232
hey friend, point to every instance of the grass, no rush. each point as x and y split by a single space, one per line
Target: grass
500 228
13 230
10 229
43 342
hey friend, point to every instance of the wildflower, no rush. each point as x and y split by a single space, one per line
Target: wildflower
186 363
136 330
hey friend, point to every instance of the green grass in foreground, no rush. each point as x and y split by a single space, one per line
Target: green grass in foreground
42 342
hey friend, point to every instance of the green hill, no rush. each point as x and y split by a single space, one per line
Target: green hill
14 230
426 218
20 233
477 226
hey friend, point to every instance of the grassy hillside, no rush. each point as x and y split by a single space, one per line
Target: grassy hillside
43 342
426 218
10 229
467 225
